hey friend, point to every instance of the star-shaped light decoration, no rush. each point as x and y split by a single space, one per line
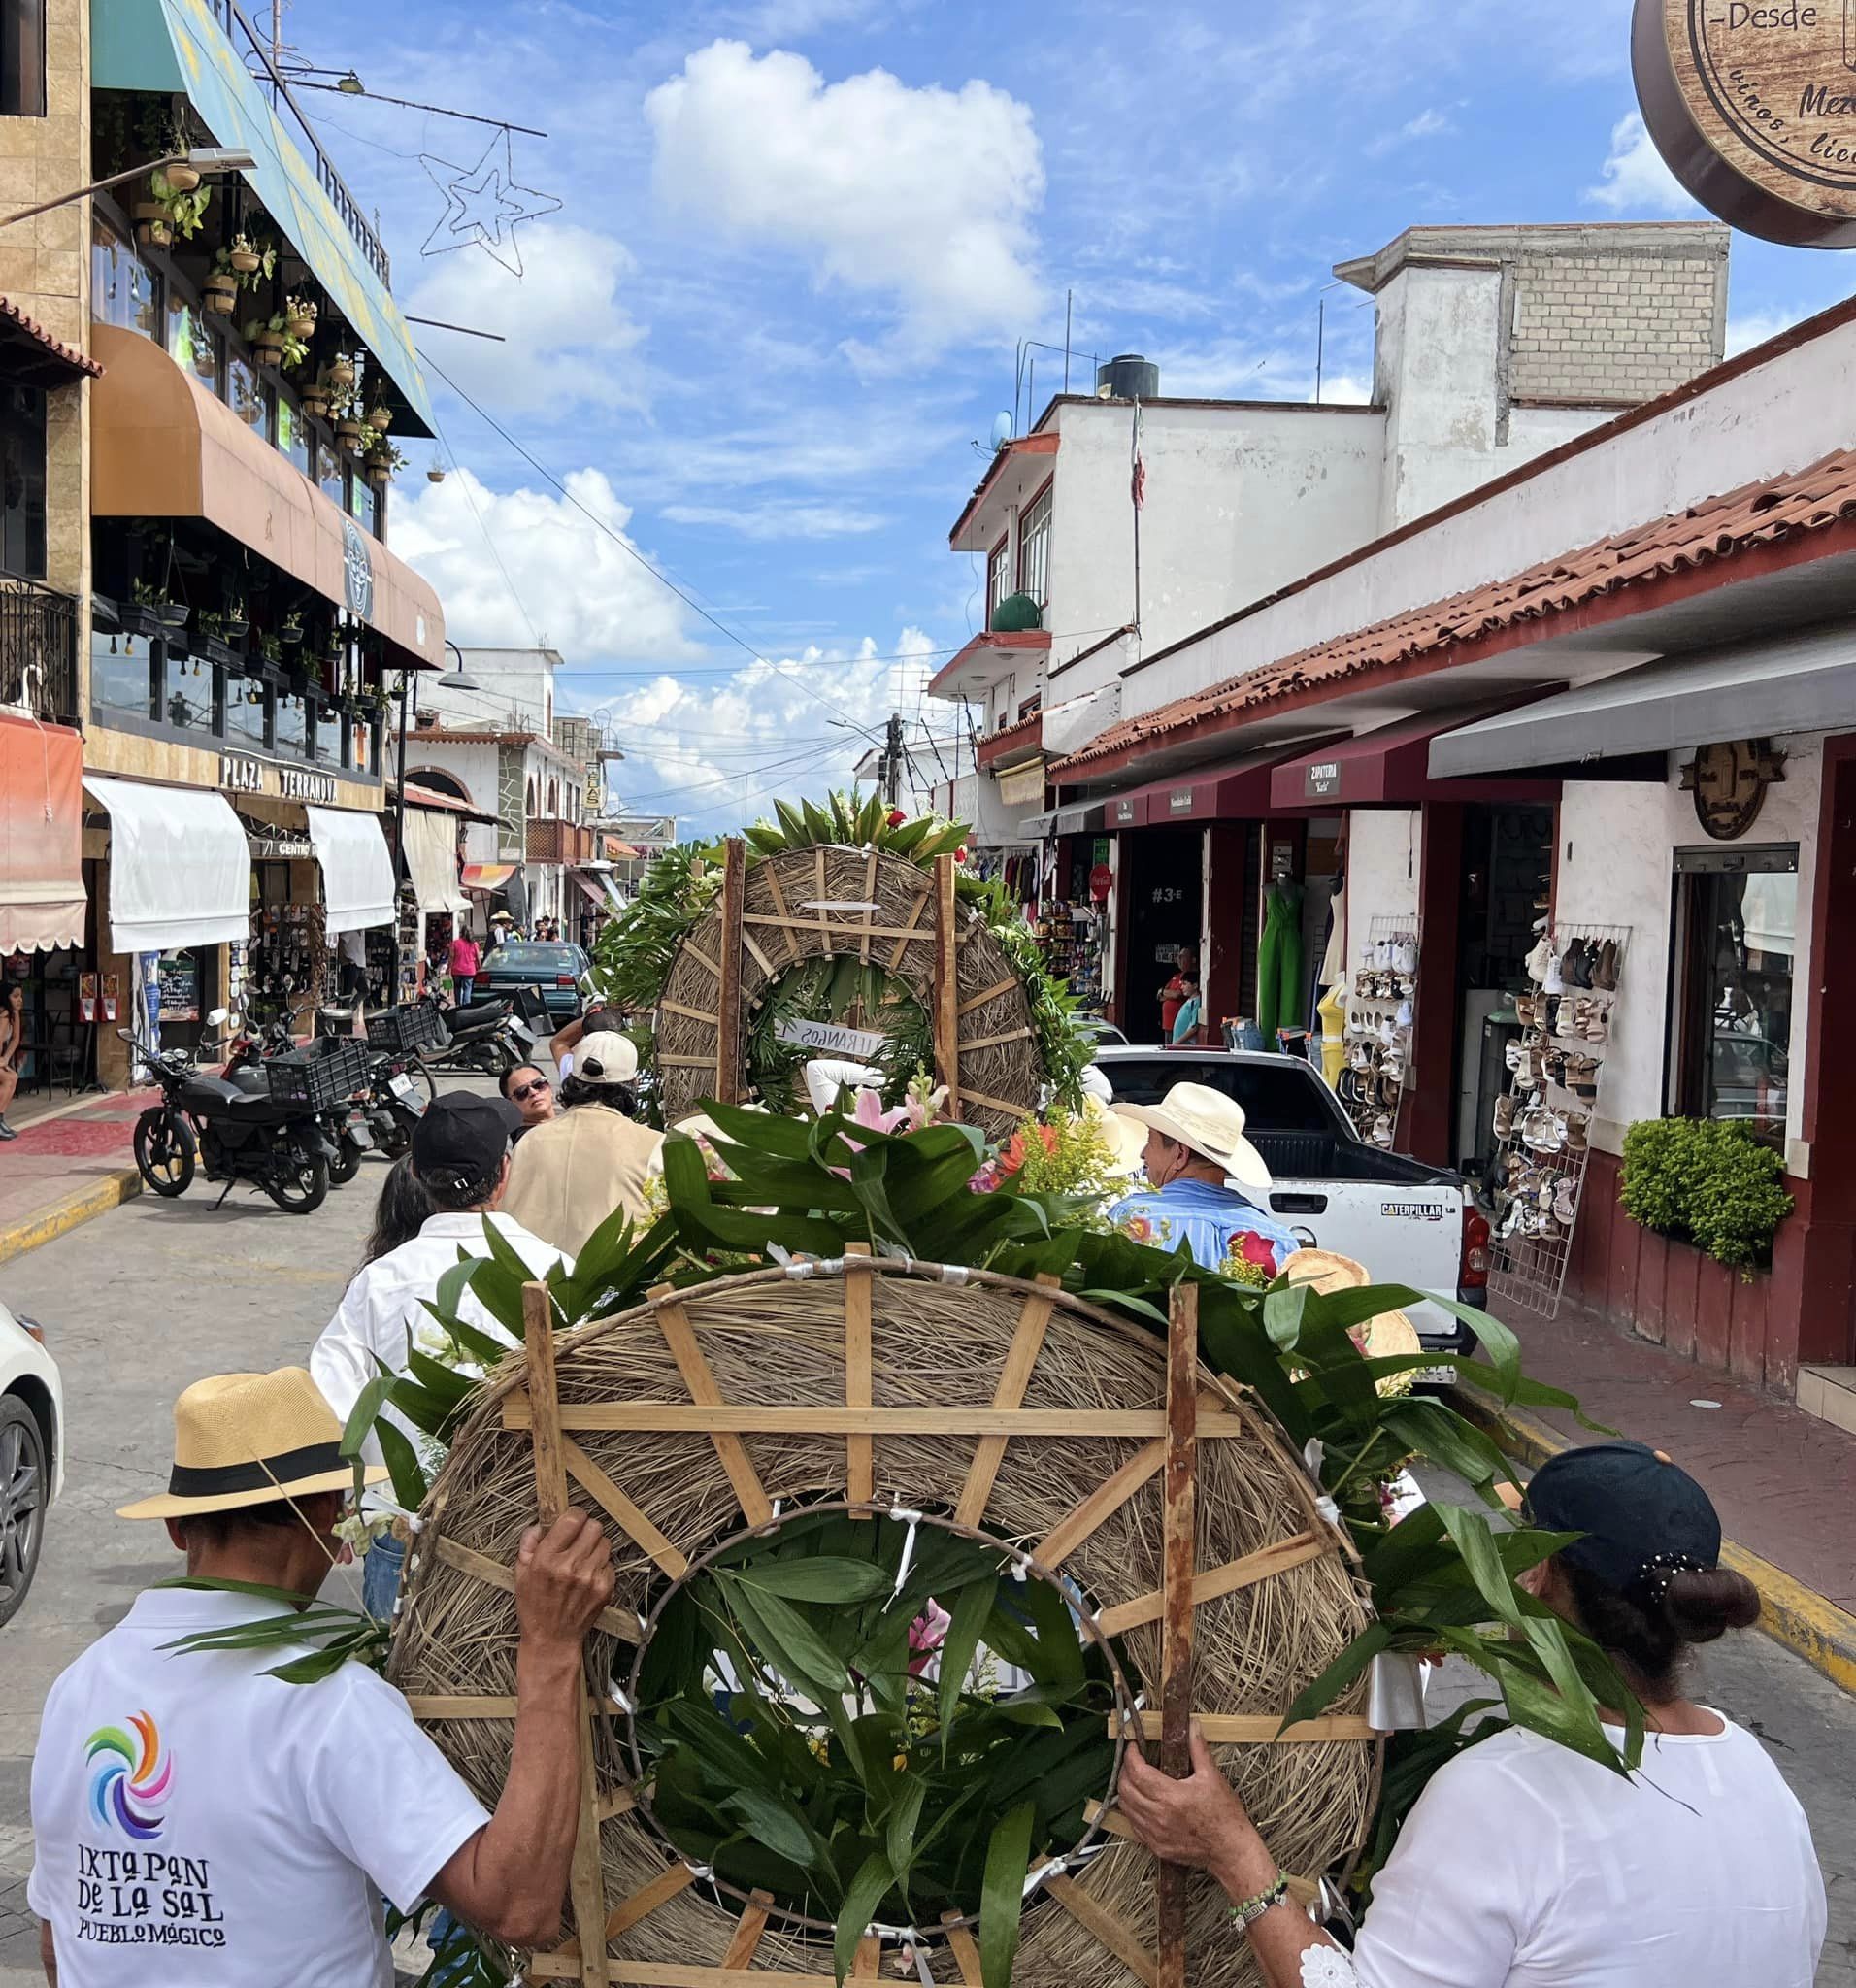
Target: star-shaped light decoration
483 205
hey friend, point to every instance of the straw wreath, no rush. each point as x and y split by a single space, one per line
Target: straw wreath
938 1340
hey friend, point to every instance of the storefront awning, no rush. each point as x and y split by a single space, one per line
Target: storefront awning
620 901
486 876
357 869
1388 768
163 446
1232 791
181 47
1089 819
431 858
1798 683
40 837
179 868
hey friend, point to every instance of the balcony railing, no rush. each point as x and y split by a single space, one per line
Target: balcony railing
38 651
550 840
253 53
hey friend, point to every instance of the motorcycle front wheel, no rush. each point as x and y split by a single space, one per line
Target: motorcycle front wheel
347 1163
301 1183
165 1151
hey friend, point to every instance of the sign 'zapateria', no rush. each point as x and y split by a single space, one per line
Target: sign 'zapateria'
1753 107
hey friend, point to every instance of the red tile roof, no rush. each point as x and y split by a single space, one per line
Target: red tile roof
41 337
1019 740
1708 534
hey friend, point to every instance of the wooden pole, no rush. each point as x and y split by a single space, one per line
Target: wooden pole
728 1006
946 985
860 1458
586 1883
1177 1605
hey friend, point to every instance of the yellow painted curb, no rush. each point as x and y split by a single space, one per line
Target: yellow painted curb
1802 1619
75 1210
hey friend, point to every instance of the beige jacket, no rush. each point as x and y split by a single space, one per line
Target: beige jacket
569 1175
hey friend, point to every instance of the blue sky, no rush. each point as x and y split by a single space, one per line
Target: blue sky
797 242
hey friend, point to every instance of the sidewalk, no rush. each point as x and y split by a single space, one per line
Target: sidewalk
1783 1480
66 1167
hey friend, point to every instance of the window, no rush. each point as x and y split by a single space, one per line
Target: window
124 677
190 694
245 391
123 286
292 433
190 344
998 575
554 800
293 724
246 704
21 58
328 471
22 480
326 748
1736 941
1033 548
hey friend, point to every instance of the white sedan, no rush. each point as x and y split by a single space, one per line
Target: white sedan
31 1452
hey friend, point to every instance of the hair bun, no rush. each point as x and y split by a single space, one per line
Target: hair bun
1704 1606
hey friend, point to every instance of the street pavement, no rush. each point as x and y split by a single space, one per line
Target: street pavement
154 1294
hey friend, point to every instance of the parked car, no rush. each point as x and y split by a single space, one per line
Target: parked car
1408 1223
31 1452
561 972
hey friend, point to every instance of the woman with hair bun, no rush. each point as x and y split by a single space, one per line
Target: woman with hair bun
1524 1864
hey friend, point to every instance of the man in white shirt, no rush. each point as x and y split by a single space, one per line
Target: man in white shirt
460 1156
196 1820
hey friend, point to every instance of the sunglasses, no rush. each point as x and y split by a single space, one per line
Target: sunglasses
523 1092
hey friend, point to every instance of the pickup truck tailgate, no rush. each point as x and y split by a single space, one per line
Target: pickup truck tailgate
1404 1235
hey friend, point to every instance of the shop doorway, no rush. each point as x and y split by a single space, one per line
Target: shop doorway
1508 863
1164 905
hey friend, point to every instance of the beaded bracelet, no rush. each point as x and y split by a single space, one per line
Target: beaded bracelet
1248 1911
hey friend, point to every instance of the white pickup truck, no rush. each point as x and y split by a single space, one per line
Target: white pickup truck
1407 1223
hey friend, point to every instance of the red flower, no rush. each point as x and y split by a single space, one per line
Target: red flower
897 817
960 855
1254 1248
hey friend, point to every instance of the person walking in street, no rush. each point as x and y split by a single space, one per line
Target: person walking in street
569 1175
194 1818
1195 1149
463 961
532 1092
461 1159
1525 1865
13 1032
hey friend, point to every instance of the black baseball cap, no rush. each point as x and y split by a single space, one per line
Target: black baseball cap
1641 1514
460 1140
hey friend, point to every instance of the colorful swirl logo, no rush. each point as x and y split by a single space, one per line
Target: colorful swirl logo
129 1777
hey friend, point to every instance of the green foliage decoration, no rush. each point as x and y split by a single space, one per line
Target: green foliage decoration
1706 1182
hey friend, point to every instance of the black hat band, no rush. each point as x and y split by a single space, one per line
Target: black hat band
265 1473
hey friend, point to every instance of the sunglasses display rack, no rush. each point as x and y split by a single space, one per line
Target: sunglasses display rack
1544 1118
1381 1015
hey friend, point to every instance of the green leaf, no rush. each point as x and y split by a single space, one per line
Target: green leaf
900 1835
1002 1897
489 1353
774 1825
403 1466
311 1668
367 1406
819 1579
786 1640
1477 1544
1317 1696
972 1607
201 1583
1059 1644
865 1892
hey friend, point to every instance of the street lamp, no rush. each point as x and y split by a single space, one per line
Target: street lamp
458 679
205 159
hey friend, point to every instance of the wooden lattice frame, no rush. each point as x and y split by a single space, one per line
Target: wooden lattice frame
1199 1407
883 909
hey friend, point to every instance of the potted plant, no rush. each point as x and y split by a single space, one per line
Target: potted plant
184 208
381 460
435 473
294 351
167 613
236 622
299 315
152 225
176 177
315 402
265 339
291 632
221 288
242 255
380 416
342 370
348 432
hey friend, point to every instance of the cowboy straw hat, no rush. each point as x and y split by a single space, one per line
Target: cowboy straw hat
250 1438
1390 1334
1127 1141
1211 1123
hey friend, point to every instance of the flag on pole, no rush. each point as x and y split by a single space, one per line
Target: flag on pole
1137 469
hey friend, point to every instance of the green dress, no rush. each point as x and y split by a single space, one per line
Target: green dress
1279 963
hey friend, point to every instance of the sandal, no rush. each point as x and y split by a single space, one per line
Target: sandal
1576 1124
1381 1134
1504 1115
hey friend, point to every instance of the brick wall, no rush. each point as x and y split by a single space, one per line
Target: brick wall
1597 326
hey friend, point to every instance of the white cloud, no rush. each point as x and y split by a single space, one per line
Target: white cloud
567 339
779 521
567 583
1635 179
923 195
1429 123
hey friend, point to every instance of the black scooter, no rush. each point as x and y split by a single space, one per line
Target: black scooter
488 1038
355 1126
214 1122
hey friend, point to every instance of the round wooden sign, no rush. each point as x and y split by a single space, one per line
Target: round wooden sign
1752 104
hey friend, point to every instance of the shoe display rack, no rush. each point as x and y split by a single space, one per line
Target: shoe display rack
1377 1037
1544 1118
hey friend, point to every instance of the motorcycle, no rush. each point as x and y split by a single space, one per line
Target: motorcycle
399 1087
488 1037
356 1127
221 1126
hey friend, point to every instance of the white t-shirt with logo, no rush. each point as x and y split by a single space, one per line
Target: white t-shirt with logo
196 1822
1524 1864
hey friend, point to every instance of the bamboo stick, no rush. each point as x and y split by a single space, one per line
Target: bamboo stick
860 1461
681 1336
639 1529
946 1006
644 1902
1021 1356
1177 1605
1255 1729
1120 1939
748 1929
1106 1499
1223 1580
725 1419
728 1004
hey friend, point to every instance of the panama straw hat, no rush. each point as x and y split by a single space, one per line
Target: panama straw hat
1127 1141
1327 1270
250 1438
1208 1122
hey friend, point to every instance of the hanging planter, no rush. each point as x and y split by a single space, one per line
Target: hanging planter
315 404
244 257
379 417
181 178
267 344
222 292
436 474
291 633
379 471
342 371
348 432
299 316
151 223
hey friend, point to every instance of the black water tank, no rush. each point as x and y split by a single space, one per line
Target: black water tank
1128 376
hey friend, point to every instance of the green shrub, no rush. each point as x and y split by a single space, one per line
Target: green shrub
1706 1182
